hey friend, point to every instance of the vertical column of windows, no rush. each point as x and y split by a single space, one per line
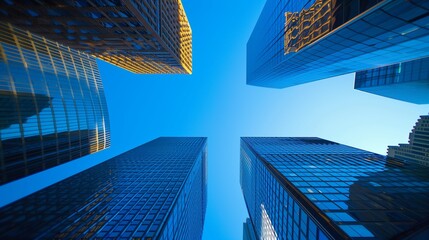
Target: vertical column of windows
60 108
71 93
50 144
84 71
3 84
39 86
11 115
286 218
186 218
65 86
66 144
48 124
25 103
32 127
100 104
86 100
77 86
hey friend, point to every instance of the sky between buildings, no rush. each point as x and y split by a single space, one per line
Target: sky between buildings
216 102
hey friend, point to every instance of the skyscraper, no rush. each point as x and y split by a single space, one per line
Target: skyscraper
295 42
154 191
311 188
407 81
146 36
248 231
52 104
417 149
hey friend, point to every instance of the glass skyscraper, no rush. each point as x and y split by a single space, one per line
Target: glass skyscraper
248 231
407 81
154 191
299 41
142 36
417 149
52 104
311 188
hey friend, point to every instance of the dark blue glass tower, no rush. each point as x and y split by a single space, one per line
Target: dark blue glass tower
300 41
248 231
407 81
155 191
311 188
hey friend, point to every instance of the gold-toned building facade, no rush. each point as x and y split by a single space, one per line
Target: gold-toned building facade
146 36
308 25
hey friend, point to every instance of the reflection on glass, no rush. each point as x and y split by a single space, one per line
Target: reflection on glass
52 102
316 189
267 228
392 202
306 26
26 104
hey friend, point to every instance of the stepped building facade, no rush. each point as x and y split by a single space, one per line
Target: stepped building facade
417 149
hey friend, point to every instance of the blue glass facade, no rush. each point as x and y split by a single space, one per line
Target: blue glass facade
407 81
52 104
311 188
295 42
155 191
248 231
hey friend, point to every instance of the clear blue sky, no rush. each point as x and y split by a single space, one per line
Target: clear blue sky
216 102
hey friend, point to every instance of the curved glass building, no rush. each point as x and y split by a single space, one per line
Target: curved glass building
52 104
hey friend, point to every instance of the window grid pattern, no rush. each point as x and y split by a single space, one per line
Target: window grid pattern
52 104
397 81
187 218
417 150
388 33
157 189
361 193
266 197
142 36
